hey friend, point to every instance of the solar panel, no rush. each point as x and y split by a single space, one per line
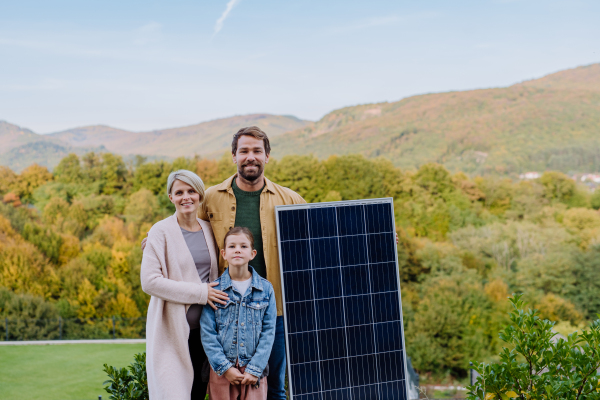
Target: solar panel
341 295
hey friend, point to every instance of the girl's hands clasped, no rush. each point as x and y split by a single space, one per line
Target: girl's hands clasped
216 296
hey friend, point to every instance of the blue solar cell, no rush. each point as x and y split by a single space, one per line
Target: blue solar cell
302 347
353 250
368 392
328 313
363 370
303 316
306 377
360 340
334 374
383 277
340 394
328 283
325 253
323 222
298 285
393 390
358 310
387 336
386 307
391 366
355 280
296 255
351 220
313 396
378 218
332 343
293 225
381 247
341 301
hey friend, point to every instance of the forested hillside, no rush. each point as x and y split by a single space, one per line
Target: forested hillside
70 242
552 123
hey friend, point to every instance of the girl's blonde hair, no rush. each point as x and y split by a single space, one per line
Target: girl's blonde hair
188 177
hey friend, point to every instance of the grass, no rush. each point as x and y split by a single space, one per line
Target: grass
60 372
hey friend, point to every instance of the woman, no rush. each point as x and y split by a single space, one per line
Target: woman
180 258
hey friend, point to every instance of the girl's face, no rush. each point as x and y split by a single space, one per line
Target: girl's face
238 251
185 197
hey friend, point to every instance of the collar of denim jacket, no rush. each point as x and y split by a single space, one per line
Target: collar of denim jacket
256 280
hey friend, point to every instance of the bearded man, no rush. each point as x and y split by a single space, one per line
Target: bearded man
248 199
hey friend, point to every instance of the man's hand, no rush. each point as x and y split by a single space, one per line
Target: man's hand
234 376
249 379
216 296
146 239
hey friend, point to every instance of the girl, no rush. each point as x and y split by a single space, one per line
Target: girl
238 336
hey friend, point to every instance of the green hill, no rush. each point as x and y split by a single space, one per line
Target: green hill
548 123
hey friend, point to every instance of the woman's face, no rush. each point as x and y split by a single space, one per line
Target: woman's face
185 197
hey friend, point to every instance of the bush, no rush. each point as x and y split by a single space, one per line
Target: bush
128 383
539 366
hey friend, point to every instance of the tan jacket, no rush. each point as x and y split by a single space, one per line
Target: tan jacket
219 208
169 275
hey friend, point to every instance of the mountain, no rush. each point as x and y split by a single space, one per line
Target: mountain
208 138
548 123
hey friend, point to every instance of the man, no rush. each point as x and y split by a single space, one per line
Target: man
248 199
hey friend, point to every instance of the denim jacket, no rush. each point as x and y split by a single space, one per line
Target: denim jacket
243 329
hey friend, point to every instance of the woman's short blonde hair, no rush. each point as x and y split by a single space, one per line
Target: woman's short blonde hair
188 177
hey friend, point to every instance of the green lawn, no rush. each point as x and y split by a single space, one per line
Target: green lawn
60 372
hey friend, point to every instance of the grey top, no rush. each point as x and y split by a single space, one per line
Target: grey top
197 244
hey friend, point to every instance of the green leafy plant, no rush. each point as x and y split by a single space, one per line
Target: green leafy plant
539 365
128 383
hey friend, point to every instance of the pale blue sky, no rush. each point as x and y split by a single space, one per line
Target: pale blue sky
155 64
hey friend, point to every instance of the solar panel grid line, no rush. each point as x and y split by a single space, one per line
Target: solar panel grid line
371 298
378 233
383 348
314 297
337 230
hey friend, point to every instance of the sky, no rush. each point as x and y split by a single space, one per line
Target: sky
143 65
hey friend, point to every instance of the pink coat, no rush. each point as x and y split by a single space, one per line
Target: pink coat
169 275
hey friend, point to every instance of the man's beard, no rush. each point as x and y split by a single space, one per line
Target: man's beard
251 176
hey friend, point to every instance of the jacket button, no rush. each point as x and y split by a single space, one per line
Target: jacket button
242 344
232 208
243 304
242 324
211 215
230 228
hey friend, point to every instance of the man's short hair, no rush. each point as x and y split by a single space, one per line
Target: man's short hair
253 131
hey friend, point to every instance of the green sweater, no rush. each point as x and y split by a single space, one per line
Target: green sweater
248 215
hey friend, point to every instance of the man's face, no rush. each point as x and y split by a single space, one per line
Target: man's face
250 158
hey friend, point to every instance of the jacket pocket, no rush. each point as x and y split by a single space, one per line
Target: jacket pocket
257 310
224 314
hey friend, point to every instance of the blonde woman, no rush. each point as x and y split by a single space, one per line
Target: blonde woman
180 259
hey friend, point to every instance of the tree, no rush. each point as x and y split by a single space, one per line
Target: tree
538 365
7 179
69 169
30 179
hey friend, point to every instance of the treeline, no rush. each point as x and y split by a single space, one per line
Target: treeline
69 242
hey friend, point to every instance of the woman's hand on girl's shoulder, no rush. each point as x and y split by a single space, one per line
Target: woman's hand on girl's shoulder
216 296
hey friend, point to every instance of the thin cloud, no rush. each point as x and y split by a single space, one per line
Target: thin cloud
219 24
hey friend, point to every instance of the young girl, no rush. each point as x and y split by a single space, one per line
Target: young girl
238 336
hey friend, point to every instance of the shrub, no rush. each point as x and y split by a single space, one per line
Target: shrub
128 383
539 366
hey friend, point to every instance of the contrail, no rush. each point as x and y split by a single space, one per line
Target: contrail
230 5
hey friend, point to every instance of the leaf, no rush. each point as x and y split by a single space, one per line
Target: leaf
489 396
512 393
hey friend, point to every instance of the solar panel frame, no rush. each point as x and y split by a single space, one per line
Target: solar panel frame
329 205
